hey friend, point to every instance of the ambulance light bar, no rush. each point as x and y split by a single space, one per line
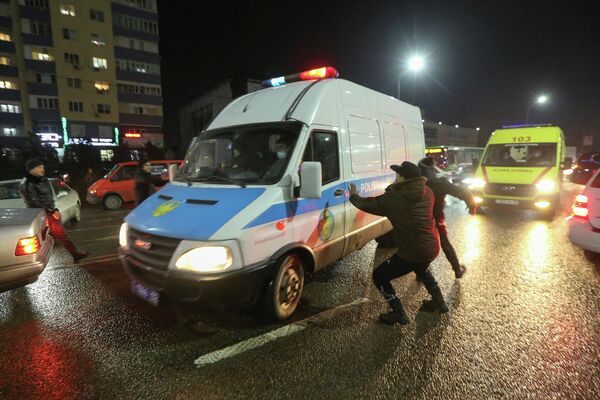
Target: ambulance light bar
524 126
317 73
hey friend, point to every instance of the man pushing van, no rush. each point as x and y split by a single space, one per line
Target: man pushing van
408 204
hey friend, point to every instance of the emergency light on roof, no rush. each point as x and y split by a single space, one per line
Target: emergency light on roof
524 126
317 73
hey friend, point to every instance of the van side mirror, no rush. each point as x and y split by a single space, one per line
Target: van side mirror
310 180
173 168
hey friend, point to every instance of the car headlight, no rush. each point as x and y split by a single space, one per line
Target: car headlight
123 235
476 183
206 259
545 186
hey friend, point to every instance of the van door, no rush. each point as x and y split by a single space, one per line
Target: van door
122 182
320 222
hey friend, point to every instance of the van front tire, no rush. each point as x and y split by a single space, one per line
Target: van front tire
113 202
285 288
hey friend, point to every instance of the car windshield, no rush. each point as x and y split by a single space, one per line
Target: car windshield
245 154
9 190
521 155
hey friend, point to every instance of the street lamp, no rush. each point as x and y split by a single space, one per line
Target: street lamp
540 100
415 64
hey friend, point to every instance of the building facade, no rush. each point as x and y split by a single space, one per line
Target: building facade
439 134
80 71
197 114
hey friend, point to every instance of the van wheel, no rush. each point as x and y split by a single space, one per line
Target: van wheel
283 292
113 202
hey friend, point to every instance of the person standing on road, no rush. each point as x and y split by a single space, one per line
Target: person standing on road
441 187
144 182
37 193
408 204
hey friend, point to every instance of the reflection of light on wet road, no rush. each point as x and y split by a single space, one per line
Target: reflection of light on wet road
472 239
536 251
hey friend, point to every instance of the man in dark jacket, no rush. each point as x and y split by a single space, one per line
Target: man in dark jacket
144 182
37 193
441 187
408 204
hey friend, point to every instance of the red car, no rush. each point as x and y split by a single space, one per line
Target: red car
118 186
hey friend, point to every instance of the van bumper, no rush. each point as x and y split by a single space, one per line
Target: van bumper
93 199
525 203
222 291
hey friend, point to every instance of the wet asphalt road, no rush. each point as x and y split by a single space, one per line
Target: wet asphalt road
524 323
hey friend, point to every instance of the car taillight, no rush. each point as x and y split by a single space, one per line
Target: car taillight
580 206
27 246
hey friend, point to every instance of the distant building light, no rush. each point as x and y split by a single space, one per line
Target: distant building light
477 129
134 135
456 126
422 120
439 123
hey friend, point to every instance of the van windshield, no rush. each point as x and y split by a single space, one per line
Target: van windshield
521 155
246 154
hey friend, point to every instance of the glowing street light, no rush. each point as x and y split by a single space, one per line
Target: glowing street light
415 64
542 99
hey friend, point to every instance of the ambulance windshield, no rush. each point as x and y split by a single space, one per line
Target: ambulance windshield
254 154
521 155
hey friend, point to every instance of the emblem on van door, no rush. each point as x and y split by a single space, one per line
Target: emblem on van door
142 244
326 225
509 188
166 208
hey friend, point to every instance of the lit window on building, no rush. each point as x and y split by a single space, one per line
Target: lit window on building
102 86
41 55
98 62
67 9
8 85
10 108
5 37
4 60
10 131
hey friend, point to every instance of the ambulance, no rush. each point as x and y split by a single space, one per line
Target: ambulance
262 197
521 167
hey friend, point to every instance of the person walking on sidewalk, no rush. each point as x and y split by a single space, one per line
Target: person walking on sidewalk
441 187
37 193
408 204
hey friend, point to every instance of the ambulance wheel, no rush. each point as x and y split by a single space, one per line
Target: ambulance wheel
284 290
113 202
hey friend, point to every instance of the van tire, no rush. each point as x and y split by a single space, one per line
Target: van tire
285 288
113 202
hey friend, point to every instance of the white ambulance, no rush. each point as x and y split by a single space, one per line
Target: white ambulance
262 197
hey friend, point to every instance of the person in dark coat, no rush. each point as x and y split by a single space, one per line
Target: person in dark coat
145 183
37 193
408 204
441 188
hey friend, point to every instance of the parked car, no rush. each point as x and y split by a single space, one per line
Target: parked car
117 186
584 223
66 199
25 246
463 175
586 166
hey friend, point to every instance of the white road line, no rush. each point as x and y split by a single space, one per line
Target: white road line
261 340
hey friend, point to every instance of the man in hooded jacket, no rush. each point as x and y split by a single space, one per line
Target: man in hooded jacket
408 204
441 187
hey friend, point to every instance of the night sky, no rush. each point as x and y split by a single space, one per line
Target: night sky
486 63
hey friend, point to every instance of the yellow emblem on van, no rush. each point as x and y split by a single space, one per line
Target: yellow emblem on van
166 208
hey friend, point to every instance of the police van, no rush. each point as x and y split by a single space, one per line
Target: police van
261 199
521 167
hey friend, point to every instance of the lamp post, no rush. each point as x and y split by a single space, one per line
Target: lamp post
541 99
414 64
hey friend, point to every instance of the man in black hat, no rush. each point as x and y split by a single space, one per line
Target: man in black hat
408 204
441 187
37 193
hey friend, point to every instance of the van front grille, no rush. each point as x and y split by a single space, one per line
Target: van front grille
151 250
509 189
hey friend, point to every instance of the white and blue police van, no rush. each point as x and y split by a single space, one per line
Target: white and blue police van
262 197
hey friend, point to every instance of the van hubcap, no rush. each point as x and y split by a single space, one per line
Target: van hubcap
291 285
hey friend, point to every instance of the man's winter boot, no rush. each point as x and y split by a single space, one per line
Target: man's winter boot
437 302
458 273
396 316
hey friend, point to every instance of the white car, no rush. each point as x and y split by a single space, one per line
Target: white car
584 223
66 199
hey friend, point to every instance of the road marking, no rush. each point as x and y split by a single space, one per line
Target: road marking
261 340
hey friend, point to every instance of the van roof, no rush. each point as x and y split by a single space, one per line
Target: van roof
311 102
537 134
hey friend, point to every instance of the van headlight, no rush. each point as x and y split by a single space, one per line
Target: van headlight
206 259
546 186
123 235
476 183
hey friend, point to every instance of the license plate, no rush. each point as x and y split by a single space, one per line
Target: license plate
508 202
150 295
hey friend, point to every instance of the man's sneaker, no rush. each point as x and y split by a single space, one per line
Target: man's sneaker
394 317
80 256
460 272
437 302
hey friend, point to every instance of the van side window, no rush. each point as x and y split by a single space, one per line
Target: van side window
323 147
125 173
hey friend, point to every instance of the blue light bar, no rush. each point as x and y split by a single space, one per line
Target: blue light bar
278 81
524 126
